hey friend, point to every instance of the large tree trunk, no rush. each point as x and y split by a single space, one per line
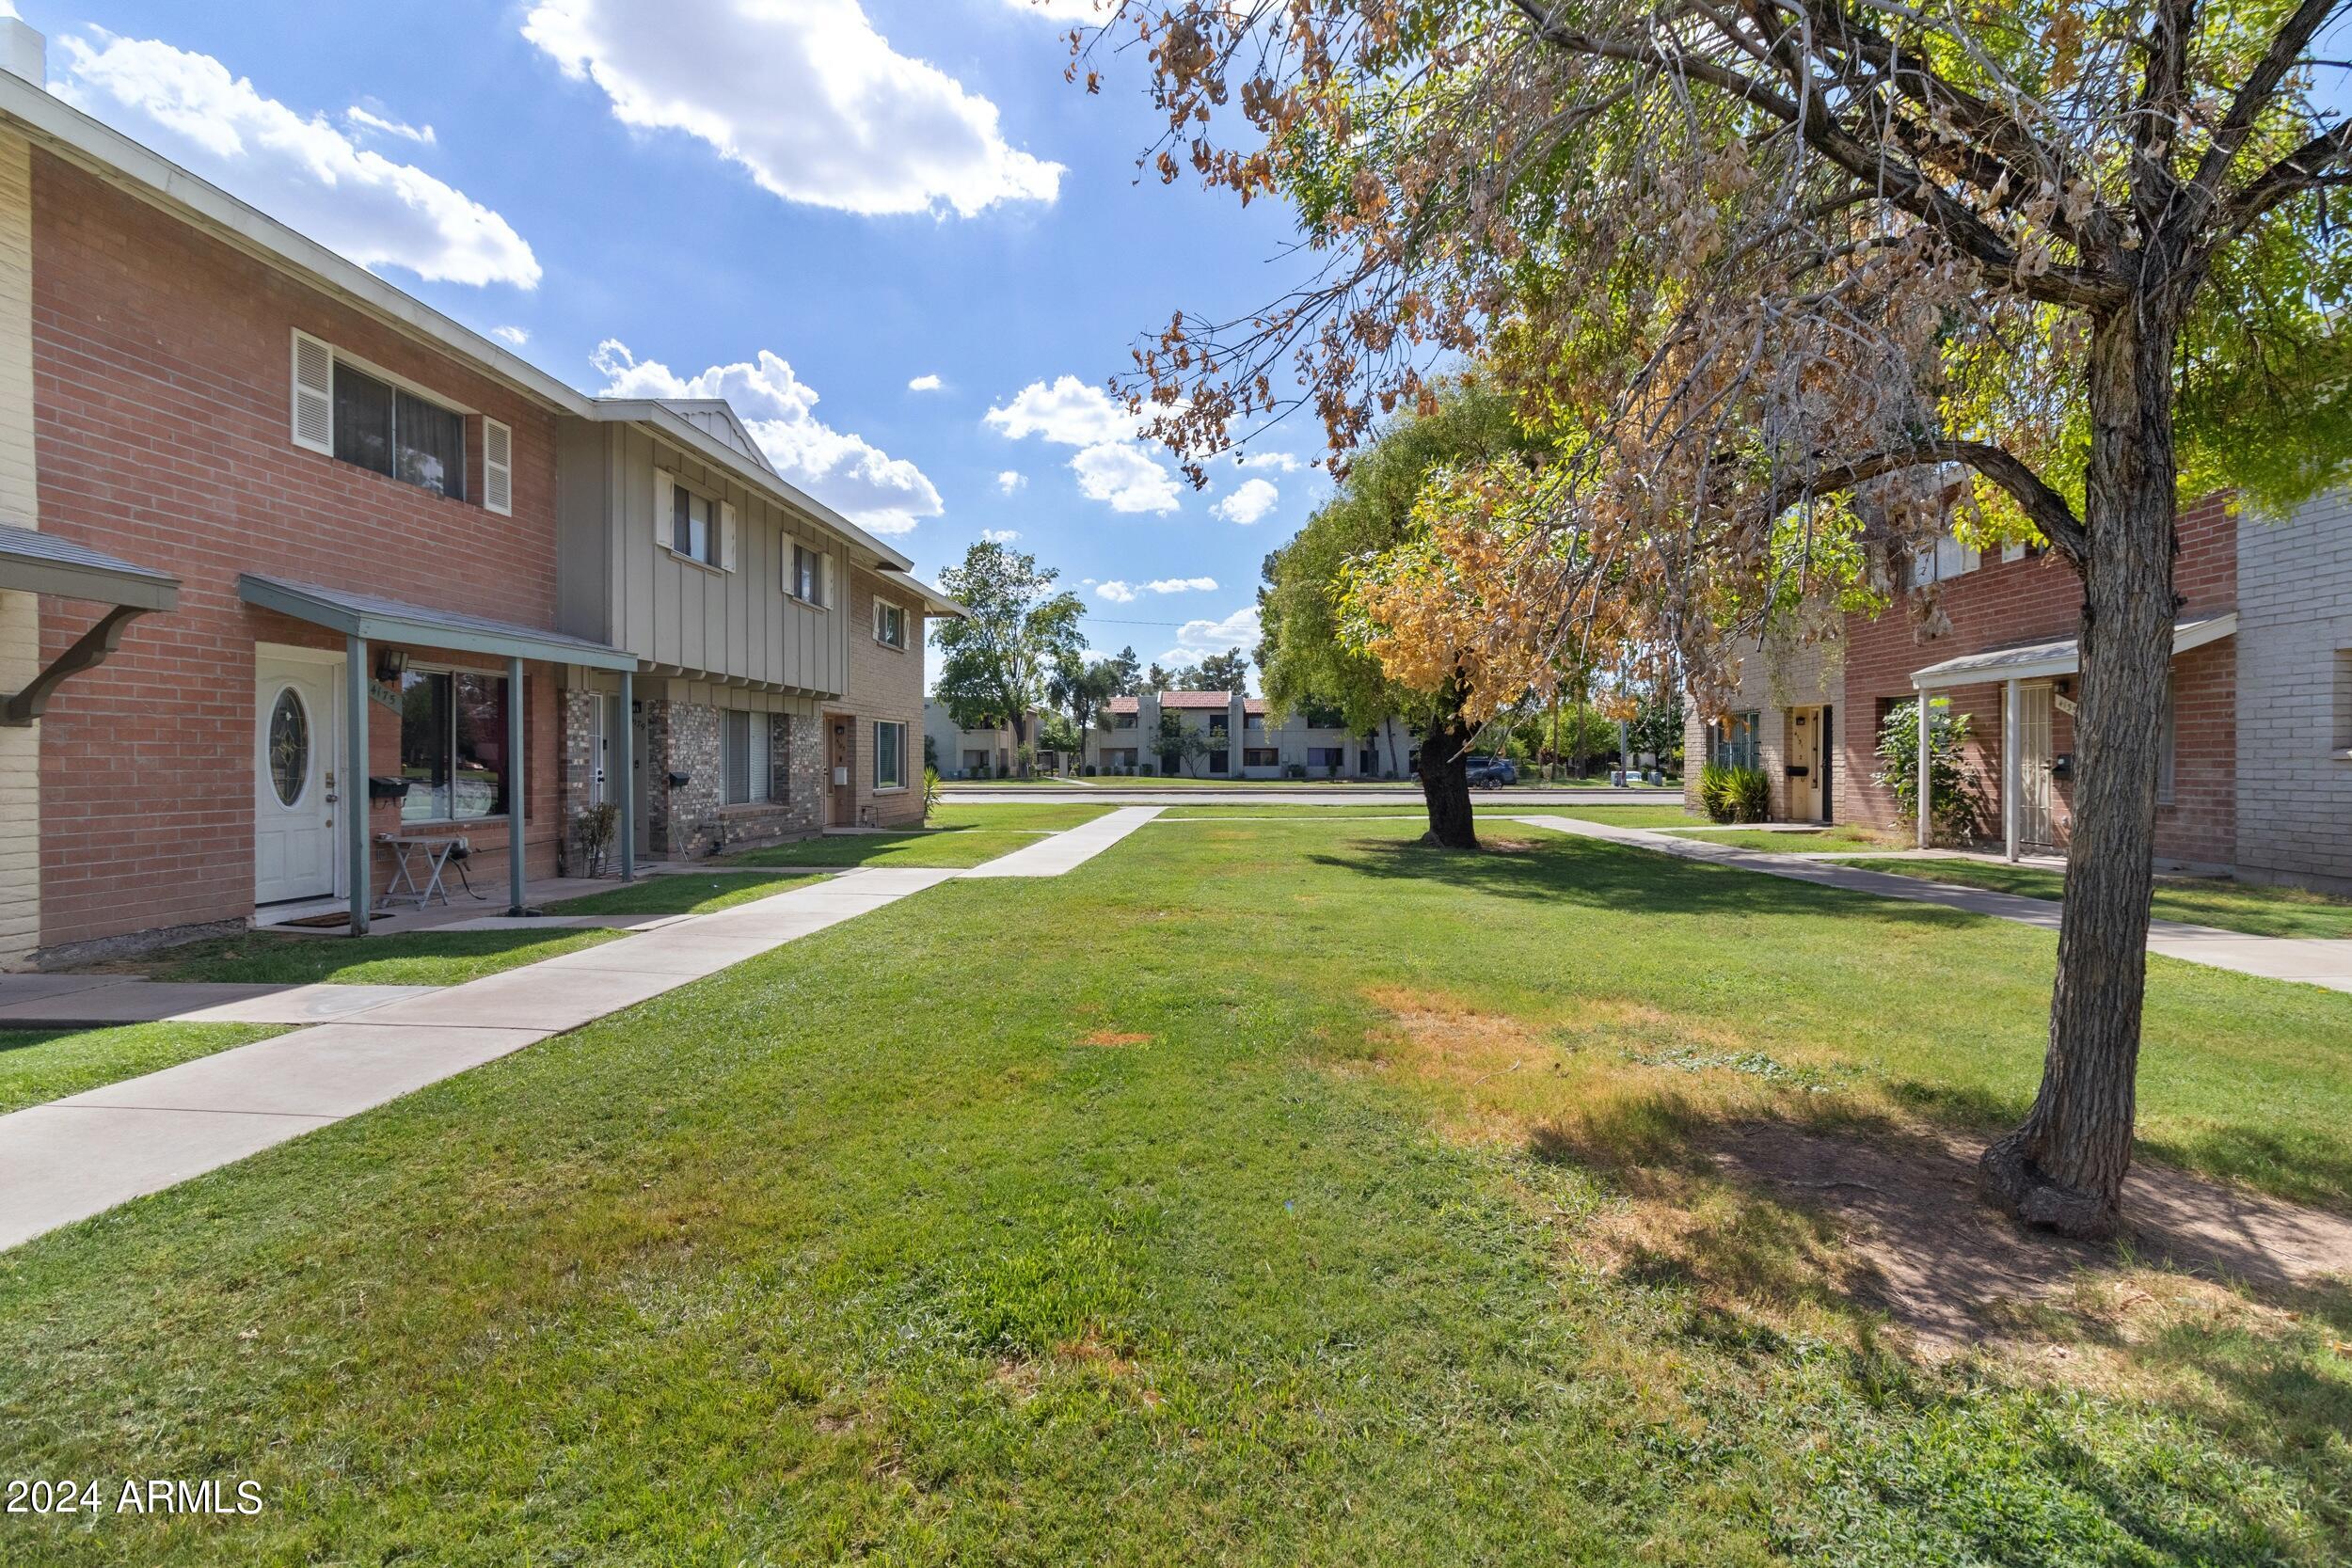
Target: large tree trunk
2064 1166
1020 744
1445 782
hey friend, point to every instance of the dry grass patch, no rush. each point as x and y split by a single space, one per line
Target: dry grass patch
1114 1038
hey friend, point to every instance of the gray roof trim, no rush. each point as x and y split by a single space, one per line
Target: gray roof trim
390 621
680 431
35 562
52 123
2059 657
935 602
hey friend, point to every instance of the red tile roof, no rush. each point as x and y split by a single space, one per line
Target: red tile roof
1191 699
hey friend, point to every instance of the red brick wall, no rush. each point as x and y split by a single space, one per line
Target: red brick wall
161 378
2002 604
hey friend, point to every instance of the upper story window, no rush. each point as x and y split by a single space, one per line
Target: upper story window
693 530
808 575
1123 721
1219 722
890 625
692 523
1948 559
371 421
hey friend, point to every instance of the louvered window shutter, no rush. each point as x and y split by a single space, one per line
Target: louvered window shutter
313 394
827 600
726 536
498 468
665 508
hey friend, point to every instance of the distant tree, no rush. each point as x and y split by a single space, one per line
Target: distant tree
1128 671
1156 679
1083 688
1015 631
1658 725
1311 657
1062 737
1225 671
1180 744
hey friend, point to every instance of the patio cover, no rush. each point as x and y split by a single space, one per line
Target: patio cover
32 561
363 616
2039 660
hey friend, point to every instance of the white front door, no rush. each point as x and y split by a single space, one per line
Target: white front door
298 762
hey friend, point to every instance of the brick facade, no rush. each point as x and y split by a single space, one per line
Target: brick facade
161 413
2294 695
1774 678
2039 597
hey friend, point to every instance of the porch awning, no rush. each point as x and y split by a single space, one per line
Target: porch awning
35 562
2037 660
32 561
390 621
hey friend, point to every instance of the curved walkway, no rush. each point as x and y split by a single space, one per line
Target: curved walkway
2313 962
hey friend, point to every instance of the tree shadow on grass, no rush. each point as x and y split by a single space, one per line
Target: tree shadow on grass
1591 873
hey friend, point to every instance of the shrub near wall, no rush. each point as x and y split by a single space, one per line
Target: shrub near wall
1735 794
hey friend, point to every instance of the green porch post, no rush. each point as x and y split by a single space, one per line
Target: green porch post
517 789
355 793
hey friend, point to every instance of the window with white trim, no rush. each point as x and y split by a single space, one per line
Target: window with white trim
808 575
744 756
1948 559
890 625
361 416
693 523
890 755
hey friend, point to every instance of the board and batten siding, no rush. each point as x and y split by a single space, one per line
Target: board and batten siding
620 583
19 613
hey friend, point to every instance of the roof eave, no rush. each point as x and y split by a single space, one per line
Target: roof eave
100 150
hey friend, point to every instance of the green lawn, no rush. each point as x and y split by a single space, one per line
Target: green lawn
1258 1192
1809 841
1017 816
1368 785
2248 906
1411 810
409 958
682 893
952 849
41 1065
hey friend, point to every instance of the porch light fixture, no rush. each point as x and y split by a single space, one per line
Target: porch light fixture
390 663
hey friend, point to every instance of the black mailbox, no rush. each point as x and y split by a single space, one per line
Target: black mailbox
383 789
680 781
2062 765
1797 771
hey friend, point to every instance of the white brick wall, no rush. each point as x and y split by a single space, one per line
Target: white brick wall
1772 679
2295 694
19 613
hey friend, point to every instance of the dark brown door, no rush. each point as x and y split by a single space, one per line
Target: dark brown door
844 772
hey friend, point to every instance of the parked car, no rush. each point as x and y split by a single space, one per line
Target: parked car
1491 772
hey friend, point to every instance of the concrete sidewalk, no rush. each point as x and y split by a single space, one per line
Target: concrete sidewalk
81 1155
2303 960
93 1001
1070 848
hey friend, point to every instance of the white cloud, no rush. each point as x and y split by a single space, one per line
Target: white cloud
1182 585
924 384
1197 638
1012 479
804 94
1112 465
1126 476
422 135
301 171
1070 413
1115 592
1001 535
1062 10
1282 462
886 494
517 336
1248 505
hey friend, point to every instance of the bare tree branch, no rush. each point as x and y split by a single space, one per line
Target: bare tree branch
2048 510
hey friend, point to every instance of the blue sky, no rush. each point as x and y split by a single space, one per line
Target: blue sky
807 205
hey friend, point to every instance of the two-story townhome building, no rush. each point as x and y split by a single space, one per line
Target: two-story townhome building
1240 738
2256 723
778 688
992 752
284 591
